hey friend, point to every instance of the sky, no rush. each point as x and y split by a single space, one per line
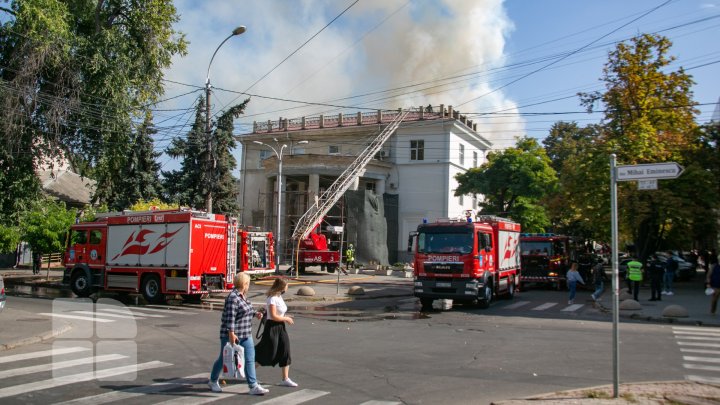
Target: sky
513 66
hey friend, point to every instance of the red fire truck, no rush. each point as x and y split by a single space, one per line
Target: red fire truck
162 252
465 260
319 249
545 258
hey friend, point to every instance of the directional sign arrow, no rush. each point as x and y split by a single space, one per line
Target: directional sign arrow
668 170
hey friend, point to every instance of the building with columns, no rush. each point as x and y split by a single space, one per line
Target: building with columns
412 178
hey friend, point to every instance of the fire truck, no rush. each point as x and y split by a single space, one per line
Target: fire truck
320 249
465 260
162 252
545 258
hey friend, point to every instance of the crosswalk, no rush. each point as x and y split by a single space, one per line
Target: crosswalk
30 377
111 313
700 348
546 306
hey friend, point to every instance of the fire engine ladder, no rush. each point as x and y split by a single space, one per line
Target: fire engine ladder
232 250
327 200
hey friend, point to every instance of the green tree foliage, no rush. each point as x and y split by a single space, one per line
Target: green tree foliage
140 178
45 226
648 119
75 77
190 185
9 238
513 182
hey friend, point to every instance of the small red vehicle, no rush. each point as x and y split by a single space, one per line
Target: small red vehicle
465 260
545 258
162 252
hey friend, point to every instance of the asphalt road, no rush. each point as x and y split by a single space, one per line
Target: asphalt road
377 352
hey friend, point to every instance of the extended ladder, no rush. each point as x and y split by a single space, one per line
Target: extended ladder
327 200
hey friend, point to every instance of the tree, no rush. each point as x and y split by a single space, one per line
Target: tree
649 118
75 75
44 227
140 179
513 182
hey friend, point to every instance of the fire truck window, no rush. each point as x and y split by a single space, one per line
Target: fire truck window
95 237
559 248
78 237
445 242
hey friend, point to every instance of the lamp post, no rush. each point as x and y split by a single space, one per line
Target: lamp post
210 159
278 150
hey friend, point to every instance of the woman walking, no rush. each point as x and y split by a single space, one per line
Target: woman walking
274 346
573 277
236 327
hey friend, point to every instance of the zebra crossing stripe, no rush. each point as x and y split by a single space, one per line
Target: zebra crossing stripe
698 333
43 353
573 307
698 344
702 359
56 365
700 351
96 314
128 312
701 367
545 306
381 403
209 396
516 305
163 310
137 391
713 338
693 329
702 379
82 318
75 378
297 397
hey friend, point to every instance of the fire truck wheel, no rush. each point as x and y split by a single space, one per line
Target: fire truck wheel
511 289
192 298
80 283
485 296
426 304
331 268
301 268
151 289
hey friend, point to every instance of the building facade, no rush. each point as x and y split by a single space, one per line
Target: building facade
412 177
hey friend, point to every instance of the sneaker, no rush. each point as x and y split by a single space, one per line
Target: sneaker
258 390
669 293
664 293
571 302
288 383
214 386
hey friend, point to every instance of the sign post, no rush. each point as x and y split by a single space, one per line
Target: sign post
647 176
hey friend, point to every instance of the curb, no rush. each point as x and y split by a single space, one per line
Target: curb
35 339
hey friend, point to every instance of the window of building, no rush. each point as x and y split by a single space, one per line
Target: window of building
475 156
462 154
264 154
417 150
370 186
334 150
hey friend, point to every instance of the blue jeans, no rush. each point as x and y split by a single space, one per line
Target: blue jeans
572 286
668 280
249 346
599 288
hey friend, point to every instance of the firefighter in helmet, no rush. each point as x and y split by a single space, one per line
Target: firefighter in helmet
350 256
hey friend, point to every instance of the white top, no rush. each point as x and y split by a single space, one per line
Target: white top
280 306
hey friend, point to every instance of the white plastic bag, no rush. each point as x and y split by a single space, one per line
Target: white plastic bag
233 361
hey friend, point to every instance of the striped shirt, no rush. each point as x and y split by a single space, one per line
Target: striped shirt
237 316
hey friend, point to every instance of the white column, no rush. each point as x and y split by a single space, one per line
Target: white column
380 187
313 188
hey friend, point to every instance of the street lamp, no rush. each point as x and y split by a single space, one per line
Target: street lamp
210 159
279 154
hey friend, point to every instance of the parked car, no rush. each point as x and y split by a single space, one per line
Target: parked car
2 294
686 271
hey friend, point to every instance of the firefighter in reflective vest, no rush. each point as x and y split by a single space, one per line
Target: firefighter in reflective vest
350 256
634 269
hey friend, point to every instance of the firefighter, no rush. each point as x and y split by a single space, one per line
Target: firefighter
37 261
634 269
350 256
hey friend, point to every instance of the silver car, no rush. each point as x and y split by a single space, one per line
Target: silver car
2 294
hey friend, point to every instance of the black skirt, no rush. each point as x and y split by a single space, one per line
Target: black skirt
274 346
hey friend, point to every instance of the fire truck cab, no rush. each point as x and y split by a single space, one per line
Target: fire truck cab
545 258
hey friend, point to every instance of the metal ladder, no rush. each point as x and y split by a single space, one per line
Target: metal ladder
232 250
327 200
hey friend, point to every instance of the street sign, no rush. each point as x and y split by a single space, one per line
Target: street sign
647 184
668 170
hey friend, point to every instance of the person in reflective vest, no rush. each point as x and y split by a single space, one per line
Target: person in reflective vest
634 269
350 256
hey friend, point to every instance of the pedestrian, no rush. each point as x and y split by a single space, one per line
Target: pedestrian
634 270
350 256
712 280
274 346
598 273
656 271
670 268
236 327
37 261
573 277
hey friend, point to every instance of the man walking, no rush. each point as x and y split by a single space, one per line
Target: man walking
656 271
634 269
670 269
599 277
